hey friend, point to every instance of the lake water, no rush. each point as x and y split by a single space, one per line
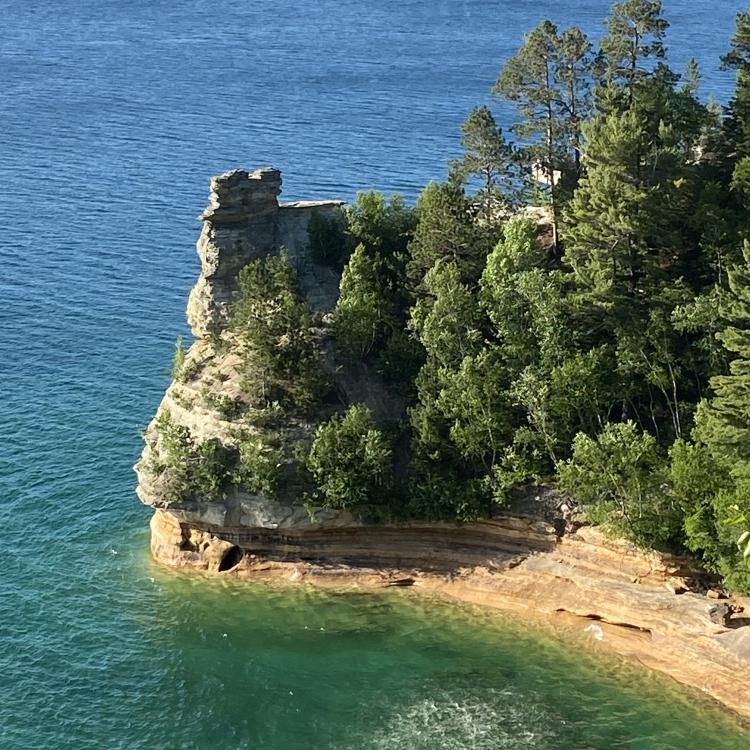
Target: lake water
113 116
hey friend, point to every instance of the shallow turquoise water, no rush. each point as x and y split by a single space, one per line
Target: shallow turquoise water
193 662
112 117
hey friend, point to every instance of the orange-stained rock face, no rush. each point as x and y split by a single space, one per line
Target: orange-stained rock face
604 591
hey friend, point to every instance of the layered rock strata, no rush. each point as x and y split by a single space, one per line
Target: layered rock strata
647 606
536 561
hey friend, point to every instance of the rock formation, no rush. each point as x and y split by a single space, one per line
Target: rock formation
537 559
243 221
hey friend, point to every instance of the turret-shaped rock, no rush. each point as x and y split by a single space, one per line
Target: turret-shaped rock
241 223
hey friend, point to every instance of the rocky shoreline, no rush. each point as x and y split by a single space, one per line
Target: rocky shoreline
535 561
643 605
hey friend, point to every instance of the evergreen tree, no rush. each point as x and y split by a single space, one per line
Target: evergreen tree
548 81
633 75
738 58
613 217
574 69
447 322
447 230
488 158
364 316
711 479
273 327
634 43
630 253
723 422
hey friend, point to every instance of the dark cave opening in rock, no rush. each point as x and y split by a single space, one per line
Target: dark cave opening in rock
231 558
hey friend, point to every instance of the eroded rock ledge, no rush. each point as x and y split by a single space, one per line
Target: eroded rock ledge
645 605
642 605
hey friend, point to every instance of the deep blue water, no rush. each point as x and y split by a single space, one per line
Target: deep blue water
113 115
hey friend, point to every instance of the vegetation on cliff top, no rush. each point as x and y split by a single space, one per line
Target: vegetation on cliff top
606 347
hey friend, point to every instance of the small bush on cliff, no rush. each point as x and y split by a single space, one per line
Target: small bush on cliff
447 496
620 480
274 327
258 465
350 461
191 468
178 363
227 406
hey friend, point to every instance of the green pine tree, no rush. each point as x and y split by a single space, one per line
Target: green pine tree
634 40
489 159
723 422
448 231
364 315
738 126
547 79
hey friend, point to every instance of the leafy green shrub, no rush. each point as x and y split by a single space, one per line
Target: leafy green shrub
442 497
195 469
384 227
713 506
620 480
274 327
258 466
227 406
350 460
204 470
183 369
185 400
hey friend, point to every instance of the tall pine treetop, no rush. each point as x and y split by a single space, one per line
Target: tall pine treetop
633 44
548 79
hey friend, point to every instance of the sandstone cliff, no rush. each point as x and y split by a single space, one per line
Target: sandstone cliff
244 221
651 606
